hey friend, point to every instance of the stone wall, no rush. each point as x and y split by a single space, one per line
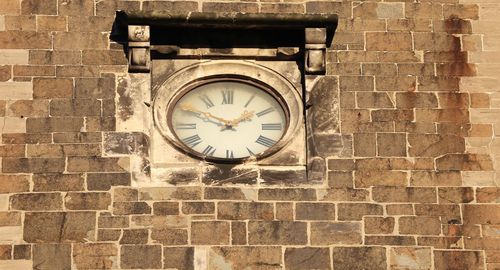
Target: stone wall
415 186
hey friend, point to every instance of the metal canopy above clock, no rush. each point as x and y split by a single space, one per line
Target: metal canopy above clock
235 93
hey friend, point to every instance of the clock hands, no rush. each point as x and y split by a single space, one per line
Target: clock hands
228 124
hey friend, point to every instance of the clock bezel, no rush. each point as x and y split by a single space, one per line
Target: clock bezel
225 78
189 78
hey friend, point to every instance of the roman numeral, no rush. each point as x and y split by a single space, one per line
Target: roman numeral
249 100
227 96
274 126
264 112
265 141
192 141
250 152
208 151
207 101
229 154
185 126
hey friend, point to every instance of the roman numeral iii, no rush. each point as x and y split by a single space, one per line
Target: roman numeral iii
273 126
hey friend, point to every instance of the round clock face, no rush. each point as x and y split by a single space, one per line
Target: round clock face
228 120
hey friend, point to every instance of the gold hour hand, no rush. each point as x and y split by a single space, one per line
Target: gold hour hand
190 108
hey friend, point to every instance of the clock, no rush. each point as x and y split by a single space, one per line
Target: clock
228 120
229 112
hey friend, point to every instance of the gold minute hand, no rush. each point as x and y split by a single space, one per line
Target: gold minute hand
189 107
246 115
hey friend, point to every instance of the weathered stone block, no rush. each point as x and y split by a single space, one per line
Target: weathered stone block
356 211
245 210
179 257
349 258
315 211
36 201
289 194
481 214
76 7
222 174
14 183
52 256
198 208
165 208
419 225
46 227
307 258
131 208
134 236
241 257
32 165
141 256
365 179
170 236
22 252
104 181
210 233
458 259
277 233
404 194
336 233
87 200
379 225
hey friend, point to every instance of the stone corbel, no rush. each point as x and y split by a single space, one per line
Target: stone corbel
139 55
315 50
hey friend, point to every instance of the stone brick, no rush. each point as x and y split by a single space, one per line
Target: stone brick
379 225
481 214
229 7
242 257
455 195
179 257
488 195
284 211
245 210
36 201
113 221
277 233
466 11
288 194
131 208
410 258
340 179
165 208
10 7
440 242
282 8
5 252
104 181
356 83
399 209
210 233
198 208
356 211
10 219
315 211
237 175
77 137
446 259
344 194
433 178
104 57
380 178
428 10
335 233
54 150
307 258
51 23
24 40
447 212
134 236
28 108
80 40
348 258
364 144
433 145
108 235
52 256
464 162
95 255
389 240
170 193
391 144
52 88
404 194
58 182
280 176
238 233
97 164
90 24
14 183
22 252
28 71
48 7
341 164
87 200
75 107
185 6
32 165
108 8
419 225
141 256
344 9
46 227
373 100
388 41
76 7
125 194
95 88
171 236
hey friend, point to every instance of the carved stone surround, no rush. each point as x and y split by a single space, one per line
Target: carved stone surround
302 63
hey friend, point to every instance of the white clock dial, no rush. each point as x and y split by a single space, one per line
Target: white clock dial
228 120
